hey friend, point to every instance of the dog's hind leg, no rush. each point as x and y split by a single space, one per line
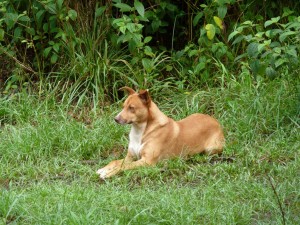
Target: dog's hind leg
216 146
214 151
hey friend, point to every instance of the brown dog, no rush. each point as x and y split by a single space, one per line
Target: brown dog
154 136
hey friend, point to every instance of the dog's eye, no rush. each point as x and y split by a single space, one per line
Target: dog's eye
131 108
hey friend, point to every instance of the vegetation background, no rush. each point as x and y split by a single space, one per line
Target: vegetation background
61 65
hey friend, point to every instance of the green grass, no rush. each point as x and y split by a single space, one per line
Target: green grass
49 154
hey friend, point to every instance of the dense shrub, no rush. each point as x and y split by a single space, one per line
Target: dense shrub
99 45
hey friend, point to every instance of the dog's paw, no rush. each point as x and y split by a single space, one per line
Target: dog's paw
109 170
102 173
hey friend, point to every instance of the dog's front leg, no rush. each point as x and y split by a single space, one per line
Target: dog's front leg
138 163
114 167
120 165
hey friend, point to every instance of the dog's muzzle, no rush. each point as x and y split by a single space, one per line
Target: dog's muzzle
120 120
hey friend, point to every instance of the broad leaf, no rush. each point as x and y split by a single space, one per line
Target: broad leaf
261 47
168 68
137 38
148 51
100 11
39 17
275 44
238 39
54 58
284 35
277 50
132 46
295 25
272 33
24 18
123 7
197 18
219 22
139 8
59 4
51 8
279 62
131 27
72 14
200 66
1 34
147 39
10 19
56 47
233 34
18 32
193 52
123 29
255 66
287 12
270 72
222 11
259 34
252 49
272 21
292 52
210 31
47 51
248 22
30 30
147 64
155 24
36 37
240 57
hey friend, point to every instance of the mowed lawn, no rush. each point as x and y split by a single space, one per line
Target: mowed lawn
49 153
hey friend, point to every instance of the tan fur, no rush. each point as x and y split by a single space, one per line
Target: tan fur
154 136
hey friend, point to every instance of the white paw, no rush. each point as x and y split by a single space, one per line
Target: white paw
102 173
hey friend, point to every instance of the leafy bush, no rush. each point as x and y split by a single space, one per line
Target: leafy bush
96 46
270 47
34 33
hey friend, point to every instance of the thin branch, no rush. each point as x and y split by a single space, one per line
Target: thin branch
26 67
278 200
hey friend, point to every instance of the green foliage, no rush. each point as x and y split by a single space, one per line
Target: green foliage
270 48
213 16
148 61
129 27
39 28
94 48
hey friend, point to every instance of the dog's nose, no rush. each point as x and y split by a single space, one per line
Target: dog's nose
120 120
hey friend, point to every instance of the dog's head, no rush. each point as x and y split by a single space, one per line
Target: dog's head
135 108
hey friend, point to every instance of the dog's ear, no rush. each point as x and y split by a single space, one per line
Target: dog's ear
145 97
129 90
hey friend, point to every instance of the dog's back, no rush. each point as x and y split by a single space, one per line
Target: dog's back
197 133
201 133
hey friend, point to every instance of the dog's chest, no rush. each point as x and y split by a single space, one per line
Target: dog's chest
135 140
